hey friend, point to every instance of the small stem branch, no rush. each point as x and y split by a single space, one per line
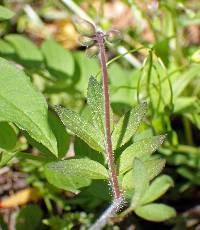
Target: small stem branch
108 146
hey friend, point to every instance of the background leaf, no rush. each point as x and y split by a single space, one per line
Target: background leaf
59 61
28 53
29 217
5 13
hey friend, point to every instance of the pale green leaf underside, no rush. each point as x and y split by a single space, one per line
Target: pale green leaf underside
139 149
5 13
157 188
77 125
128 125
23 105
156 212
81 168
140 181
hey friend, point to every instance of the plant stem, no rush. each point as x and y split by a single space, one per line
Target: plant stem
108 146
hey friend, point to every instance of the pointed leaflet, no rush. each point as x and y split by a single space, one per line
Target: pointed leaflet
153 166
157 188
81 168
140 181
127 125
23 105
139 149
76 124
95 102
156 212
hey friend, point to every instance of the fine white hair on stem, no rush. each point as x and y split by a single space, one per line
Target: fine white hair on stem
109 212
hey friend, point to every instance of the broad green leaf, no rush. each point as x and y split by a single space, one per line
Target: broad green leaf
139 149
153 166
156 212
157 188
67 182
5 13
59 61
127 125
80 167
140 181
23 105
29 217
29 54
77 125
8 137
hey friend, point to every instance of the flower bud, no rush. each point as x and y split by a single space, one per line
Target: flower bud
113 36
84 27
92 51
85 41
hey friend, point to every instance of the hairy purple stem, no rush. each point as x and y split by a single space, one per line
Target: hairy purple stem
111 161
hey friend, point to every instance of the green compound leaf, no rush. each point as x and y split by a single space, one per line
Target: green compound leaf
5 13
67 182
139 149
140 181
156 212
157 188
128 125
59 61
23 105
81 168
77 125
28 53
